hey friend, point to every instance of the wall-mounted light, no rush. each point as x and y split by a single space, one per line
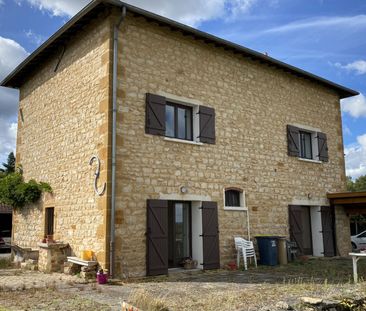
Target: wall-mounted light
183 189
309 196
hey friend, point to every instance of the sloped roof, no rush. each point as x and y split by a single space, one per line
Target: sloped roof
15 78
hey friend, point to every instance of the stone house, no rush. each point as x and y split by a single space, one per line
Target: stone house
199 140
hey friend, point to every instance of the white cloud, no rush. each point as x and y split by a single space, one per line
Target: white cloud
35 38
359 66
355 106
334 21
356 157
191 12
346 130
11 54
8 132
58 7
194 12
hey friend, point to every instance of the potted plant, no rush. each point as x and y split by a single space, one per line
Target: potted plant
189 263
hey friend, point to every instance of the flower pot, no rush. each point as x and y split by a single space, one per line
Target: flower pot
192 264
49 238
102 278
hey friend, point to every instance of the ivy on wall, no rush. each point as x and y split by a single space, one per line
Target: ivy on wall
15 192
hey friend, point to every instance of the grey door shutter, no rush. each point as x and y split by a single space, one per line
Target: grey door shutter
207 125
323 147
293 142
155 114
328 231
210 235
157 237
300 228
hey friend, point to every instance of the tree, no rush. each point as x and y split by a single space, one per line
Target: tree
358 185
9 166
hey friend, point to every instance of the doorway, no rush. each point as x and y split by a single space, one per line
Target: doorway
179 232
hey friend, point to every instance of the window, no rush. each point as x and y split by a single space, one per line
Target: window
234 199
179 118
178 121
49 220
306 150
307 143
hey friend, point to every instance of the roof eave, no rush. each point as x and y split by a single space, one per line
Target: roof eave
341 90
7 81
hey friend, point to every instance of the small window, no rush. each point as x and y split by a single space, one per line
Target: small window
49 221
178 121
234 199
306 150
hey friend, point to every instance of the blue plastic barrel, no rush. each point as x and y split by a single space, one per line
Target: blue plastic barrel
267 246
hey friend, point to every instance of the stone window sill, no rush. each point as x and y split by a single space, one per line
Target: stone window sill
176 140
235 208
311 161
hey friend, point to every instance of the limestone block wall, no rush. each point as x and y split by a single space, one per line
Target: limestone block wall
253 104
64 122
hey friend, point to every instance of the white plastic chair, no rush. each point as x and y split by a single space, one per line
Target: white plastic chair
246 249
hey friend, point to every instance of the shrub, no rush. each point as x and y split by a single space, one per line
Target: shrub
14 191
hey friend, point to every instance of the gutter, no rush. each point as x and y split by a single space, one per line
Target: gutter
114 134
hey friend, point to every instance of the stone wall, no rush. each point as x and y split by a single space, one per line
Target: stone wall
65 122
253 104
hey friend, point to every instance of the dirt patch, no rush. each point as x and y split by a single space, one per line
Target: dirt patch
47 300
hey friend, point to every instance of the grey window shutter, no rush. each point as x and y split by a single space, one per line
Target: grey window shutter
207 125
293 142
210 235
157 237
155 114
323 147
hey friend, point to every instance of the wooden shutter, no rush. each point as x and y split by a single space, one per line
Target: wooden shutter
323 147
293 142
155 114
157 237
207 125
300 228
328 231
210 235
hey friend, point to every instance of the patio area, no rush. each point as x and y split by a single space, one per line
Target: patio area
264 288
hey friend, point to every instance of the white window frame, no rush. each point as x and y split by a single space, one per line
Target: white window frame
242 206
189 102
314 142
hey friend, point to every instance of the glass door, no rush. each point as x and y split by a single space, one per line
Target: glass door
179 233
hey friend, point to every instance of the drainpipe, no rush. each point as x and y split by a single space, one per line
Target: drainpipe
114 129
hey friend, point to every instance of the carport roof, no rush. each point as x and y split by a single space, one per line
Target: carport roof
353 202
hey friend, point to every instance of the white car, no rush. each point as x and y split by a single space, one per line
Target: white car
359 241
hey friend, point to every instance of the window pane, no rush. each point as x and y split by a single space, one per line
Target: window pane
232 198
181 123
189 123
306 147
169 121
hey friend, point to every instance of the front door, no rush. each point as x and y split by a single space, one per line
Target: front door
179 233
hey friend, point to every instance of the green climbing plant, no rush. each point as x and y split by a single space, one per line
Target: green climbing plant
14 191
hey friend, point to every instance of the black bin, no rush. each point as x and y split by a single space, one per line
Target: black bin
268 251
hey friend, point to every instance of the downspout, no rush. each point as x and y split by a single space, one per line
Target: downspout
114 130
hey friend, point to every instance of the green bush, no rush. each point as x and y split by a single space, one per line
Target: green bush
14 191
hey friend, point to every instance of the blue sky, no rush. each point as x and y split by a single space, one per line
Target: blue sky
325 37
